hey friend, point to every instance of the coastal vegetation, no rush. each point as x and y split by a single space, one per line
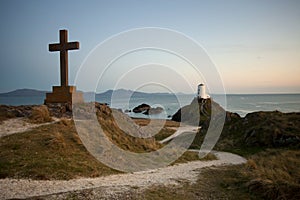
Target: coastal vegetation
55 151
268 140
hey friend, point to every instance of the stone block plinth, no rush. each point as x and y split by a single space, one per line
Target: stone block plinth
64 94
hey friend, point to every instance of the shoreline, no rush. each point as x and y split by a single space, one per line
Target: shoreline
242 104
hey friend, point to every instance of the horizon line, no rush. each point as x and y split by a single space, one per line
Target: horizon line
178 93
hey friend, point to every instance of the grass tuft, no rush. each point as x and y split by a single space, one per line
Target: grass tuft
40 114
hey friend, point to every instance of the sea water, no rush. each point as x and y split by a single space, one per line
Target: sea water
239 103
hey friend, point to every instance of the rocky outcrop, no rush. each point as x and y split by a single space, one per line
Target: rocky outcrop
147 110
198 113
141 108
7 112
60 109
55 109
270 129
259 129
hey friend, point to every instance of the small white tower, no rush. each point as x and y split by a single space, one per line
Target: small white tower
201 92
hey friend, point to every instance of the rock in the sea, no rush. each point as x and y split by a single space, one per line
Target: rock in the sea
141 108
147 110
154 111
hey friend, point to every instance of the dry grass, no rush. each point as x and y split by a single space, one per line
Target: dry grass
145 122
164 133
48 152
193 156
275 174
272 174
40 114
122 139
55 151
209 185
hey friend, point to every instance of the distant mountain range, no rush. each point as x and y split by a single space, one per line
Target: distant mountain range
23 92
107 94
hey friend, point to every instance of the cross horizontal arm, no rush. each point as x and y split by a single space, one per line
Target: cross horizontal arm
54 47
72 45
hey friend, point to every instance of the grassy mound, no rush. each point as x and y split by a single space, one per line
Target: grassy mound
270 141
48 152
256 131
55 151
118 136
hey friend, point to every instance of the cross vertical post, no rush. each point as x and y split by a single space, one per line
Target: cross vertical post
63 47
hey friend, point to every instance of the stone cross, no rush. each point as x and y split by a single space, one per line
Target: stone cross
63 47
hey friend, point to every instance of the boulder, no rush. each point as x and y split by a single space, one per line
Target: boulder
141 108
154 111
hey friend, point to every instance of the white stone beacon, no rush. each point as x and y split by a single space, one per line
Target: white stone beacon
202 92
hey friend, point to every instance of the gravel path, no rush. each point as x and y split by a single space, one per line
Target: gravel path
171 175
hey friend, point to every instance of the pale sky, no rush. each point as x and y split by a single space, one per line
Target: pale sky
255 44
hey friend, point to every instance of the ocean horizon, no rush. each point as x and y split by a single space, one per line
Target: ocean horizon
238 103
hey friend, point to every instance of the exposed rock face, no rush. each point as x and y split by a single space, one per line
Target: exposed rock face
60 109
7 112
198 113
55 110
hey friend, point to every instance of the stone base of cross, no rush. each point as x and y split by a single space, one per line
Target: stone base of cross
64 93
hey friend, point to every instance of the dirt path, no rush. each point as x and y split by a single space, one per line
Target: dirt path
179 131
109 185
18 125
171 175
